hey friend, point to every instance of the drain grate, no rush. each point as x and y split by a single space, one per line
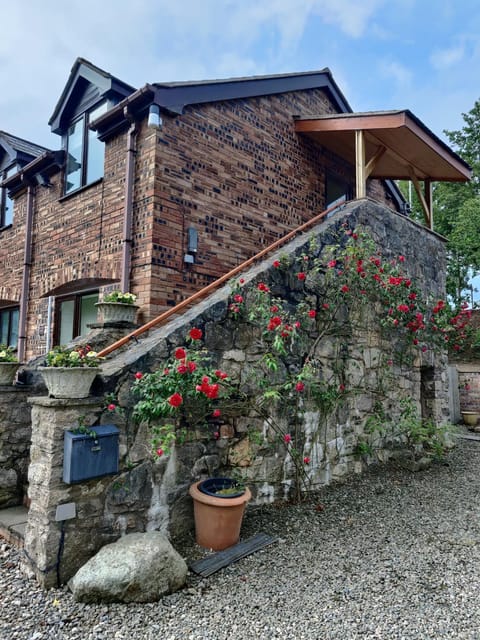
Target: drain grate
222 559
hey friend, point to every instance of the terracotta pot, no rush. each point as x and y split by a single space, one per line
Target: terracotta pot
68 382
7 372
217 520
117 311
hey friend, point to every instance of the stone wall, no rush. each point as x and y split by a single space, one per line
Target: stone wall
15 432
148 495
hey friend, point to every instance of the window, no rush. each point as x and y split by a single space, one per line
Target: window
6 203
9 326
72 315
337 191
85 152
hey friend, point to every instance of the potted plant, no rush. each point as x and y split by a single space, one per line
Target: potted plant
118 307
186 394
8 365
69 373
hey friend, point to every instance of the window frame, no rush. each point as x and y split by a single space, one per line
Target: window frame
4 174
10 310
84 120
77 315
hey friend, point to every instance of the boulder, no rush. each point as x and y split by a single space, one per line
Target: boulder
139 567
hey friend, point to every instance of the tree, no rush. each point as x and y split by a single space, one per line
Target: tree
457 208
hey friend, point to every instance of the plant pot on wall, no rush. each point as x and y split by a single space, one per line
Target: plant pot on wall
117 312
218 512
68 382
8 371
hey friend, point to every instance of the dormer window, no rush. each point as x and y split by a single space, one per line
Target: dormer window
85 152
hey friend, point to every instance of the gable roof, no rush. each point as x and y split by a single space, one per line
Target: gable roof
83 74
17 150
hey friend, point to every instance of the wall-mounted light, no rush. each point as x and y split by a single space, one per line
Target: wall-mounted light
154 118
192 240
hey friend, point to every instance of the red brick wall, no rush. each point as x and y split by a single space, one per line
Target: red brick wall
239 174
235 171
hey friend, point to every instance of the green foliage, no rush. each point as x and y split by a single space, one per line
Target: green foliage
7 354
81 356
118 296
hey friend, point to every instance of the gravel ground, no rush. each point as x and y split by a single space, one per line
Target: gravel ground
390 554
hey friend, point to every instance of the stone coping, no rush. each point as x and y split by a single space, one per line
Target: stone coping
46 401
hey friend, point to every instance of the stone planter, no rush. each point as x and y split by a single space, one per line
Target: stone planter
116 312
68 382
217 519
470 418
7 372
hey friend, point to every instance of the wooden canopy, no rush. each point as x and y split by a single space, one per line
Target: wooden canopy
392 145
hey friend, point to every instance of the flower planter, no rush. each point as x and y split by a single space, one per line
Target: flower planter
7 372
68 382
117 312
470 418
217 519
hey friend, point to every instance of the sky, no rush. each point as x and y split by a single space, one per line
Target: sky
384 54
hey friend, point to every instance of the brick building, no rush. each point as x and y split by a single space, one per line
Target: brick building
161 190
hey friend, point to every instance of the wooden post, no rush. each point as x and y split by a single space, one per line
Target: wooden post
361 187
429 200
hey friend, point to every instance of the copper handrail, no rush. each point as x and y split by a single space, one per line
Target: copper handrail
214 285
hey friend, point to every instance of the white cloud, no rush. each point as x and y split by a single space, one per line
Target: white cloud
399 73
444 58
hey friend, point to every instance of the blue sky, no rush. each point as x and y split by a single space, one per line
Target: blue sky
392 54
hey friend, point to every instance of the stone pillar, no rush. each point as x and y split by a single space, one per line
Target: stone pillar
15 431
55 551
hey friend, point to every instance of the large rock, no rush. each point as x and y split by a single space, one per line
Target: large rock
140 567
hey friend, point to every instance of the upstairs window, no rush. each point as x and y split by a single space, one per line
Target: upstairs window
6 203
85 152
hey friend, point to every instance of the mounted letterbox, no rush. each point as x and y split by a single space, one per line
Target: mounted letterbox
88 456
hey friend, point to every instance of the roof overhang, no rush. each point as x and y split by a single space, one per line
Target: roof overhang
396 141
388 145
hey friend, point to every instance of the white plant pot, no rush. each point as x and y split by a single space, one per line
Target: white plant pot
69 382
116 312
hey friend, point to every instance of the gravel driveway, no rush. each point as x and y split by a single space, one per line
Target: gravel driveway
390 554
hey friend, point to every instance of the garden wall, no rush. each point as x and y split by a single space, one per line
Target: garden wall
150 494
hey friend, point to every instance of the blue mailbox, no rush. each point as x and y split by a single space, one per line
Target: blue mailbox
87 456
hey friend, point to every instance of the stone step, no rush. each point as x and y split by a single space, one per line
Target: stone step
13 521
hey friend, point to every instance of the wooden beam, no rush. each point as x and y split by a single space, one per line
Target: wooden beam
426 209
429 199
371 164
360 175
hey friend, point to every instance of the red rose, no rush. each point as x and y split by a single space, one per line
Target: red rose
217 413
111 407
238 298
306 460
301 275
192 366
139 375
182 368
300 386
196 334
159 453
175 400
287 438
276 263
312 313
180 353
